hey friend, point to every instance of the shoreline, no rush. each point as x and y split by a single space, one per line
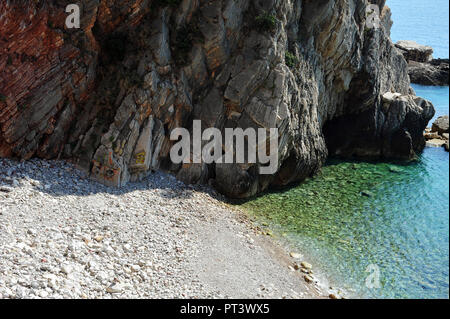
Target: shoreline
263 208
64 236
227 245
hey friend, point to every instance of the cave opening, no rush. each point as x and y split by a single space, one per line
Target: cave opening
352 136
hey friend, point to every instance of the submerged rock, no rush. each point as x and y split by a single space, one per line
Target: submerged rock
306 265
309 279
367 194
295 255
395 169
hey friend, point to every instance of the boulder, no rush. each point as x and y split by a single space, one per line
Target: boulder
422 68
295 255
431 135
412 51
306 265
435 143
389 97
309 279
434 73
441 125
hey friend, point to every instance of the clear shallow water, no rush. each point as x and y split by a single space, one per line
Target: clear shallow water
354 214
438 95
425 22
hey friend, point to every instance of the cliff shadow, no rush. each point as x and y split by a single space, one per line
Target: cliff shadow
59 178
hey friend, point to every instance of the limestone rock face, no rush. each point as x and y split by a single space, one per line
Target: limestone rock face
422 68
107 96
435 73
399 125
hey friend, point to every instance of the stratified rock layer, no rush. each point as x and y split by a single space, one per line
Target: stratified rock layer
435 72
414 51
108 95
422 68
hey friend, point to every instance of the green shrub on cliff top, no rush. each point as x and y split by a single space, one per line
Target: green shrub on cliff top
2 98
266 22
291 59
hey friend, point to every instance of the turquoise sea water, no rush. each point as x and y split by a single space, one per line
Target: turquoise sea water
356 214
438 95
391 215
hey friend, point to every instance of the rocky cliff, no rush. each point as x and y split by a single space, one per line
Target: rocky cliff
422 68
106 96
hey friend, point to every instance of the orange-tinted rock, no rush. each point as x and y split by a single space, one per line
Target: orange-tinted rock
88 94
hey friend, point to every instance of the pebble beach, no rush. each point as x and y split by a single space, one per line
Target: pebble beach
64 236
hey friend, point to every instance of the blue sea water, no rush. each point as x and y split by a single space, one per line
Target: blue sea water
391 215
438 95
357 215
425 22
